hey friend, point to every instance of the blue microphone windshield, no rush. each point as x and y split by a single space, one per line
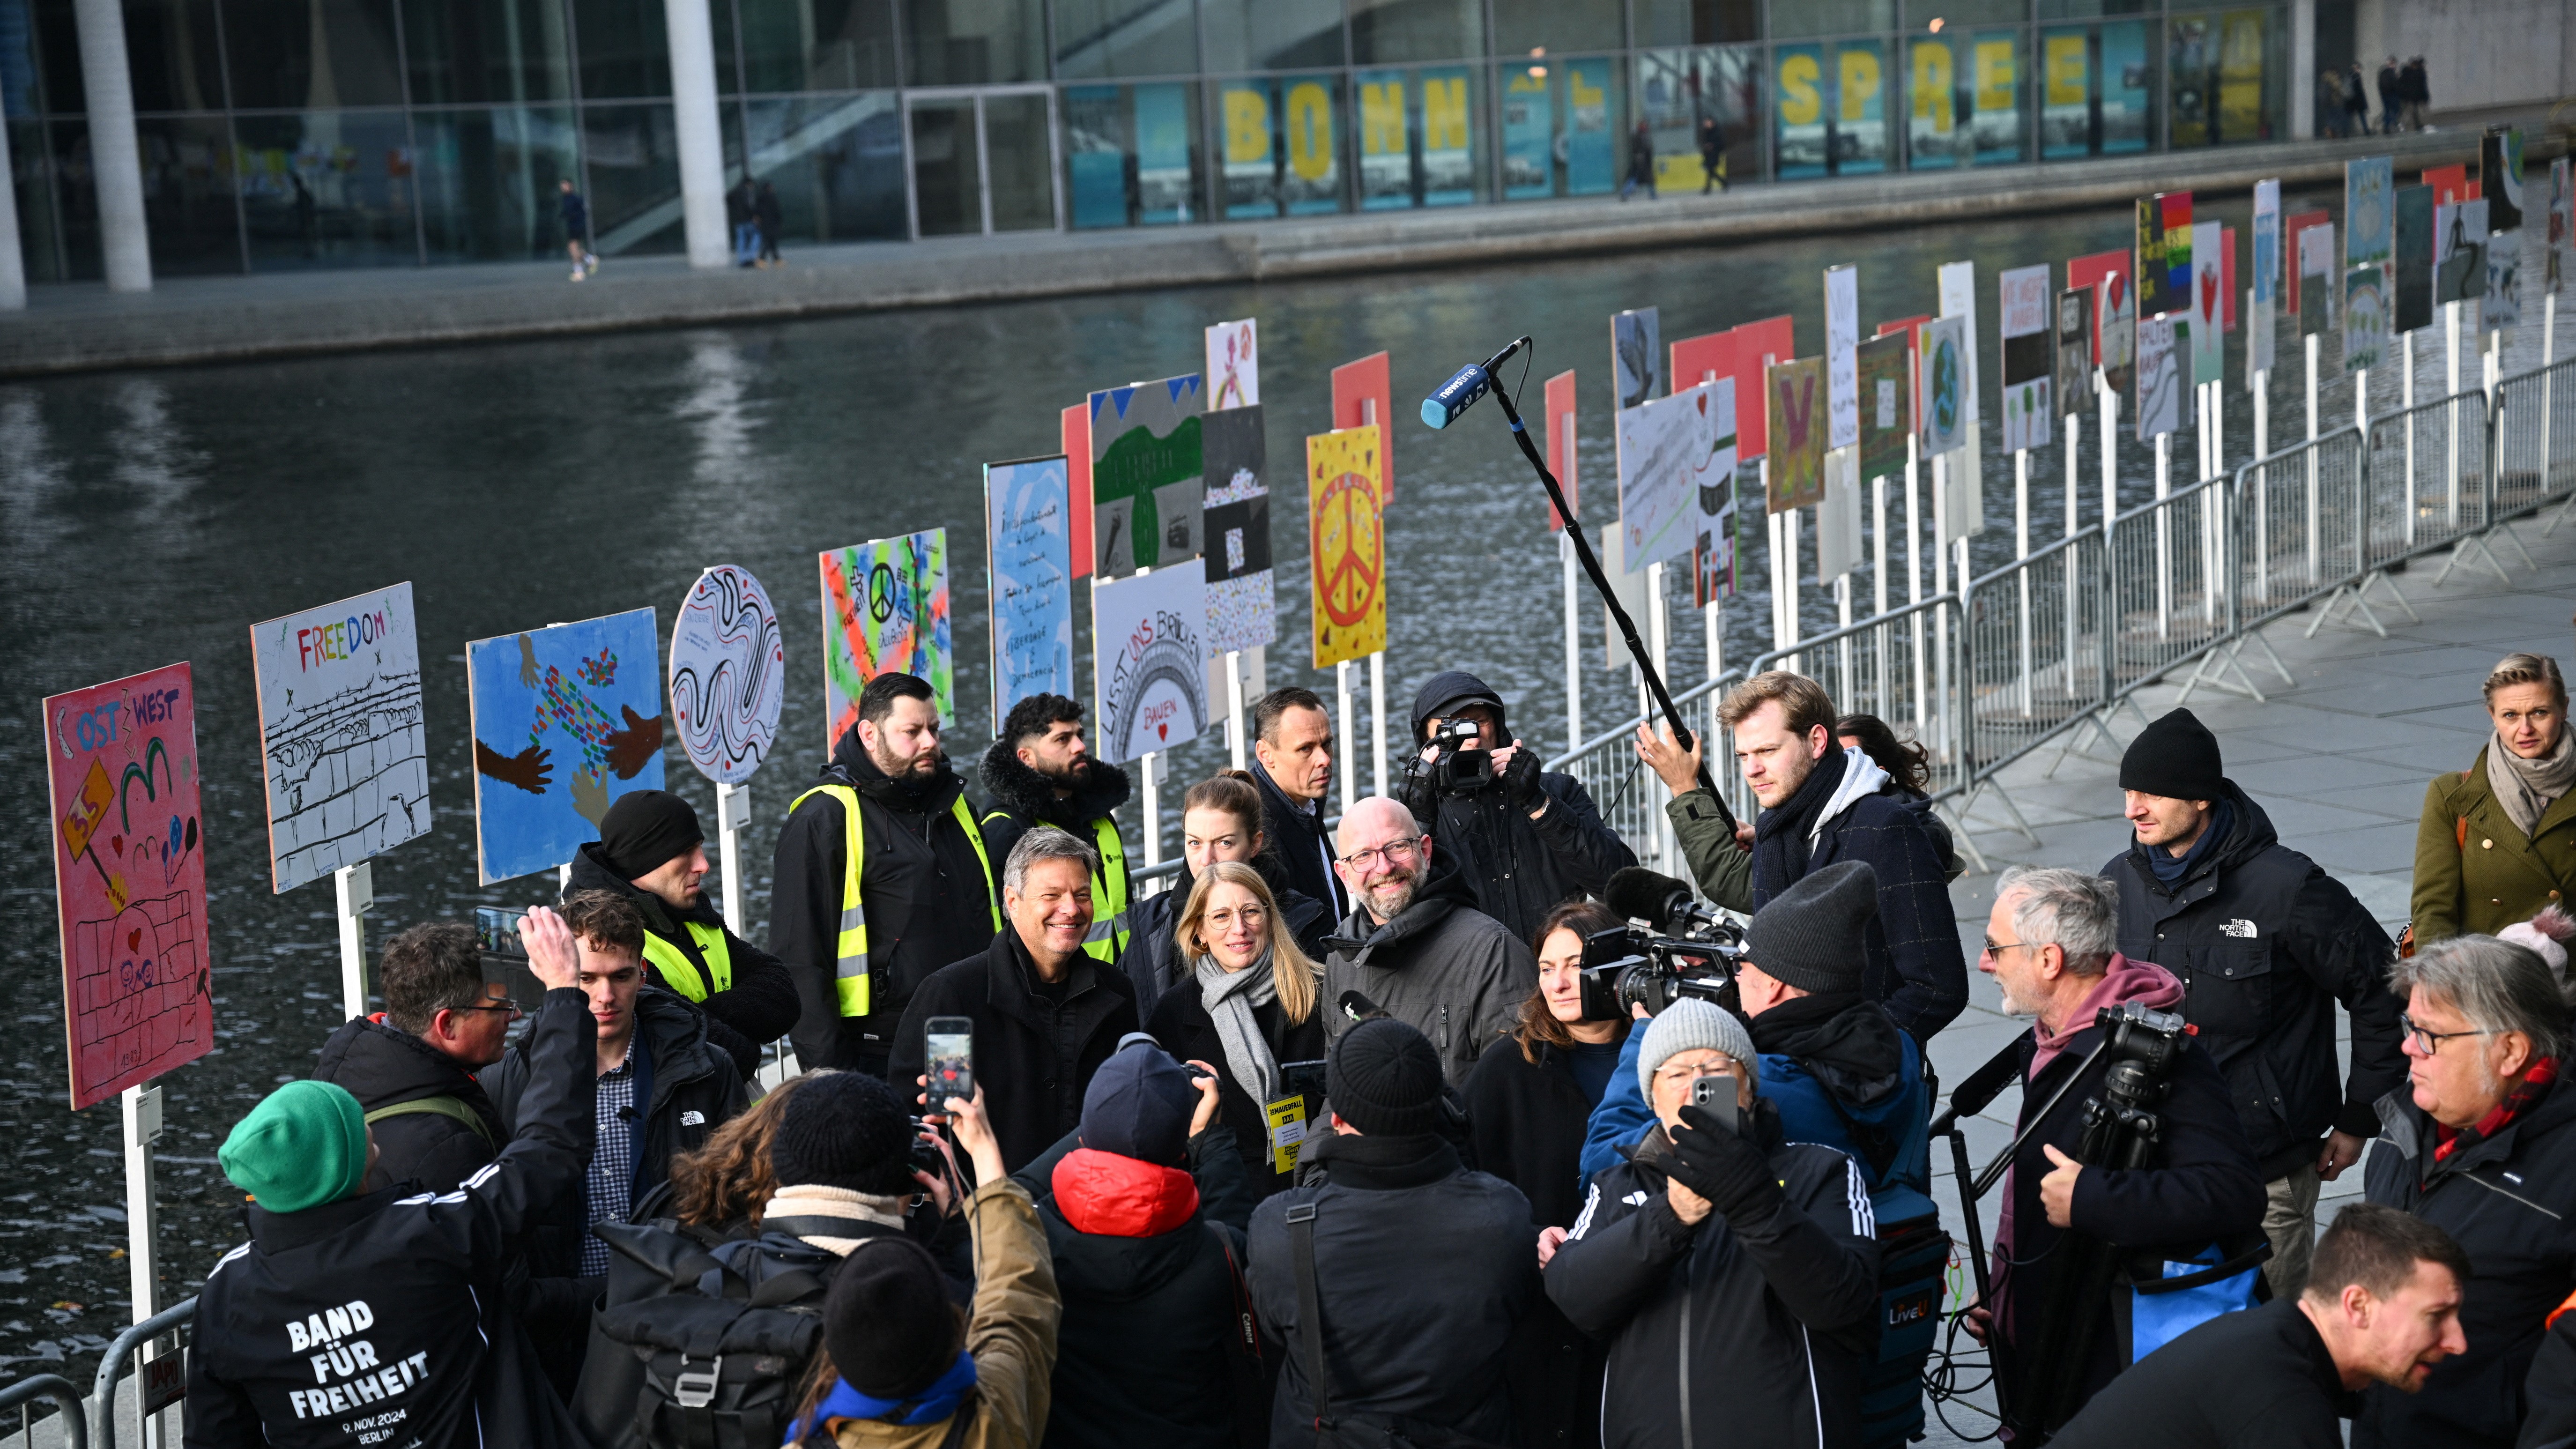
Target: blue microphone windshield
1455 396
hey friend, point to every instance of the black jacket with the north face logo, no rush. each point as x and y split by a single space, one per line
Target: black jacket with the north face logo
380 1319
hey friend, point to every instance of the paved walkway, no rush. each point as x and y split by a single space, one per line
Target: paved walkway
82 327
2339 759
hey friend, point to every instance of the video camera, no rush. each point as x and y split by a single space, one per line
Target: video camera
1458 768
1625 967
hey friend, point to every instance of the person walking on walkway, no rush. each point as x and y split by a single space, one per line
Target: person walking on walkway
2356 99
2330 118
2418 92
2497 842
652 851
1040 772
746 231
771 219
2265 944
1251 1001
576 225
1641 163
882 878
1712 155
2392 97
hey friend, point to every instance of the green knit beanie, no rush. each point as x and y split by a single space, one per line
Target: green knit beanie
304 1145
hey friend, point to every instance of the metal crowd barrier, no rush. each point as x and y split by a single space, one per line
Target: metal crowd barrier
2046 648
156 1394
65 1399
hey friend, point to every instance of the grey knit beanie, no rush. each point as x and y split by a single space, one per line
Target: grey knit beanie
1814 935
1687 1025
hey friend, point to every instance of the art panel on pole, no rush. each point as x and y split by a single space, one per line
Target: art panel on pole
1713 549
885 606
2365 317
1233 366
2115 314
1943 404
1668 449
2411 268
1794 395
559 733
1149 657
1362 393
728 674
2074 350
129 879
1886 402
1145 475
2164 253
1636 352
2369 211
340 736
2459 251
2029 356
2500 178
2160 383
1242 608
1757 346
1028 551
1842 365
1346 542
1561 456
2208 306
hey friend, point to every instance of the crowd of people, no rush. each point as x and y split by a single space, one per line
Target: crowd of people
2343 99
1384 1130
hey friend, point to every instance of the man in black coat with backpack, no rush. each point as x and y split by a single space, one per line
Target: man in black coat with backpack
412 1068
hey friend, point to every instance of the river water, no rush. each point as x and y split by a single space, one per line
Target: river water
150 517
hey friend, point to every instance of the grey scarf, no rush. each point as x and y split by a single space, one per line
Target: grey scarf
2527 788
1229 997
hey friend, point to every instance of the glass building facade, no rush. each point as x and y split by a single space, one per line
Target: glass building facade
282 134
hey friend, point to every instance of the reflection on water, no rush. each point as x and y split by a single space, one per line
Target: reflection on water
153 517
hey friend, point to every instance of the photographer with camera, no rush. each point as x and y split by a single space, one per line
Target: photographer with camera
1824 801
2061 1315
1527 840
1726 1252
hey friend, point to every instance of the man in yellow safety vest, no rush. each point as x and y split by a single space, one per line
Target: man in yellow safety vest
1040 773
882 878
651 851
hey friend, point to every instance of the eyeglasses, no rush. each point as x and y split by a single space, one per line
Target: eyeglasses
1249 915
1402 848
2428 1041
1997 948
511 1007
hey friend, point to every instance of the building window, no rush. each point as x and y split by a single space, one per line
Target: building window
1831 108
1561 126
1129 155
1281 140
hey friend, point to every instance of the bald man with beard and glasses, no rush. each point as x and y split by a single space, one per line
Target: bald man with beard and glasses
1414 943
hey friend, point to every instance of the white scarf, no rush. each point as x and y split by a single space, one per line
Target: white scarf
1229 997
814 1200
2527 788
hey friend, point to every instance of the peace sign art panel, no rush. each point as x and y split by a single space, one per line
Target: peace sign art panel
1345 479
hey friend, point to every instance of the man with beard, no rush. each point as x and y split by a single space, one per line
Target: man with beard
883 877
1040 773
651 851
1415 944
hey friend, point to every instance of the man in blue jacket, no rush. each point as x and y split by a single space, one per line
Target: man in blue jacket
1830 1058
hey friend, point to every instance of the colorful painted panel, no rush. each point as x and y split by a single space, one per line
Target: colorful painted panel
1149 655
1145 475
561 729
1794 395
1242 597
1668 451
885 606
1346 536
728 674
340 737
1029 564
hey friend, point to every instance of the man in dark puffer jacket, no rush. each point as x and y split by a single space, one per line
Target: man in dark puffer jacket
411 1069
1151 1349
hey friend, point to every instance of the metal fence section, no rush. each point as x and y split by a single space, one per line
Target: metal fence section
111 1367
65 1399
2037 653
2534 423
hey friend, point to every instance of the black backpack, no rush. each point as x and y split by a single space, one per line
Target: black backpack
724 1349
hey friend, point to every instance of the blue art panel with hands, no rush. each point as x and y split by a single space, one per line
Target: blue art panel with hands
566 719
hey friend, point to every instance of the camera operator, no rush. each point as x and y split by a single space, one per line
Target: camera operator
1748 1261
1822 804
2049 948
2382 1306
1526 840
2481 1143
2266 945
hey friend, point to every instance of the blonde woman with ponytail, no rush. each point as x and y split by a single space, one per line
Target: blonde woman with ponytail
2497 843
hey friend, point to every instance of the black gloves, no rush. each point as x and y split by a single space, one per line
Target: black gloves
1520 781
1723 1166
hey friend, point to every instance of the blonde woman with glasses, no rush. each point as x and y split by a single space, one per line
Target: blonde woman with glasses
1251 1002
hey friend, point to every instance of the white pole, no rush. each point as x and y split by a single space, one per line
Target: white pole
1879 696
1377 716
1843 646
2164 574
1342 695
1940 585
1914 570
1791 632
1573 642
115 156
141 1109
700 136
2451 420
1771 556
2021 552
2548 383
733 812
2406 402
2262 488
1152 760
2066 647
13 269
1234 707
1657 625
2110 410
2312 457
356 886
2361 399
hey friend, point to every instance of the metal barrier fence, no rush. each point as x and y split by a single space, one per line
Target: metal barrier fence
65 1399
158 1390
2054 642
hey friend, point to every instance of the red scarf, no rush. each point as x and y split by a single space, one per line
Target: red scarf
2518 1099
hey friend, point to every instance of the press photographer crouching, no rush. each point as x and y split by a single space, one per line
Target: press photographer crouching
2073 1238
1749 1261
1527 840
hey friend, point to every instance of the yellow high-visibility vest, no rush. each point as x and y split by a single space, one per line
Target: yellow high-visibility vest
679 973
850 968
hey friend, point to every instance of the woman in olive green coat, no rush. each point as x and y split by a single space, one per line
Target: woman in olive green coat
2498 839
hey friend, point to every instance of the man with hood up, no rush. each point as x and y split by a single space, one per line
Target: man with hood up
2265 944
1415 945
651 851
1526 840
1040 772
883 877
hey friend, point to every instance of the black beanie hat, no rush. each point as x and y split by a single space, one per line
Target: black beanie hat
1139 1104
847 1130
1384 1079
888 1322
2176 757
646 829
1813 935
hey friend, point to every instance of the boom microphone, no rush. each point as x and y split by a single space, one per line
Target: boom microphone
1659 900
1462 391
